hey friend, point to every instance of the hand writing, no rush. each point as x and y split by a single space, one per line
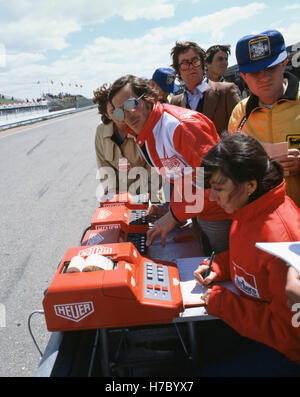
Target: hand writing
199 273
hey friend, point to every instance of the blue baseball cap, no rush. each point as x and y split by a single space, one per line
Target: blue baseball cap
165 78
260 51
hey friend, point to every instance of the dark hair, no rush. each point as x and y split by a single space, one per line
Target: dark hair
242 158
139 86
210 53
182 46
101 98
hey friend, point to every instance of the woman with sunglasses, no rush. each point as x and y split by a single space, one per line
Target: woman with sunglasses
250 187
115 148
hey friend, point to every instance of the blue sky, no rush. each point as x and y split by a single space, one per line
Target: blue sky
90 42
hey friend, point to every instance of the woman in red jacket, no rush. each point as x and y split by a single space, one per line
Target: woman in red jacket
250 187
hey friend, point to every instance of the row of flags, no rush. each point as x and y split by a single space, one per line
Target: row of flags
62 84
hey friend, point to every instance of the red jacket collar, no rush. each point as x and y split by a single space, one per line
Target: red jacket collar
264 204
150 123
130 132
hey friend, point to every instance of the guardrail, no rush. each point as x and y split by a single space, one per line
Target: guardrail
44 117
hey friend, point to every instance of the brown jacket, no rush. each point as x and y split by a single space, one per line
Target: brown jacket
219 101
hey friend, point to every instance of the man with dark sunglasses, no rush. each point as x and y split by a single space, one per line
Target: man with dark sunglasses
214 99
173 140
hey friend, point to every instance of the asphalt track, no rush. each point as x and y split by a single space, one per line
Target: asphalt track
48 196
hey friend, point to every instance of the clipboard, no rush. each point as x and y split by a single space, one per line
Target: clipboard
191 290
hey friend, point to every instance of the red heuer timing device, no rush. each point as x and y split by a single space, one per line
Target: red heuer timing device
126 219
121 223
136 291
133 202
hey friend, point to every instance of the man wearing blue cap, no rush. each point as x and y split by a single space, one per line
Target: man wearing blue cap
271 114
163 80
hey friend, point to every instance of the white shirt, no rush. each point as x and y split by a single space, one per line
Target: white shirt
193 99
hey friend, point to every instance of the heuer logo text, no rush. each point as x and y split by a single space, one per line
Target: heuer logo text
99 250
74 311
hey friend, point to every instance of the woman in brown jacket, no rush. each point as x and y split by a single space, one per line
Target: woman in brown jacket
116 153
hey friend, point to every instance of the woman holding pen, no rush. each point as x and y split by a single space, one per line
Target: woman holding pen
250 186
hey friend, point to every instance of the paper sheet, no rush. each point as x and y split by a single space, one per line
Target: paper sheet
191 290
276 150
287 251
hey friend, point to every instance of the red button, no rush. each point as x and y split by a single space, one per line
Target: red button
164 288
157 287
159 265
149 286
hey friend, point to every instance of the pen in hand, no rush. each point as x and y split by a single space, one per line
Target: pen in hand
209 265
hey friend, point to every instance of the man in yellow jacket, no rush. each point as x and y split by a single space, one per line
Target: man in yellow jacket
271 114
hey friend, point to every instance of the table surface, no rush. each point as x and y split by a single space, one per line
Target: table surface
176 250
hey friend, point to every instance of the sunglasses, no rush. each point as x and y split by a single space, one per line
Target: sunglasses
129 105
185 65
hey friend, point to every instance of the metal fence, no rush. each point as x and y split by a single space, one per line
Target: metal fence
41 117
